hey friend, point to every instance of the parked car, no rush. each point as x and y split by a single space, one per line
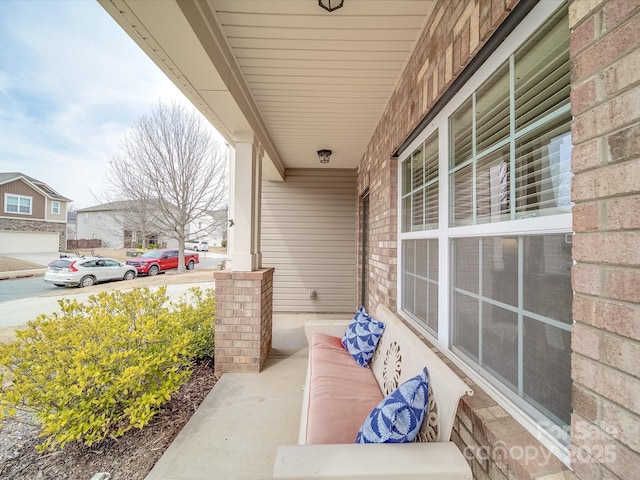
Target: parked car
159 260
197 245
86 271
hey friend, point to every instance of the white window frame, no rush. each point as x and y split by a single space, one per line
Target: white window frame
560 223
19 197
55 207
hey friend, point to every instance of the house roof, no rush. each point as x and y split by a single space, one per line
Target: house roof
46 190
110 206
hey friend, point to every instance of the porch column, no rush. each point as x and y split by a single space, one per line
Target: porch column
246 189
244 292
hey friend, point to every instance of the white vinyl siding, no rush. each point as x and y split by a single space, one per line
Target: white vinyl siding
309 236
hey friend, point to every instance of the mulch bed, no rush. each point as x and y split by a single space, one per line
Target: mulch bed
130 457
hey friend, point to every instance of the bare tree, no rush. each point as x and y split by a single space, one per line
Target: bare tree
173 169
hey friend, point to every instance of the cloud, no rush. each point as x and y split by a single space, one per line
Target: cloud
71 84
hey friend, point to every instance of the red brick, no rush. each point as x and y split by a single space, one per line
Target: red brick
626 462
622 74
583 97
474 30
623 284
511 4
625 145
615 10
609 49
623 213
621 424
582 36
619 248
609 181
608 382
618 318
585 403
586 156
607 315
585 468
586 340
222 275
588 436
465 43
457 63
526 457
622 353
586 217
579 10
498 12
587 279
485 19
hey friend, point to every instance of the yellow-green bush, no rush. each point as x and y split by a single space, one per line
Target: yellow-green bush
98 369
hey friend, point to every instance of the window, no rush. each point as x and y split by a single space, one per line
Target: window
512 317
420 187
420 281
510 156
17 204
55 208
485 223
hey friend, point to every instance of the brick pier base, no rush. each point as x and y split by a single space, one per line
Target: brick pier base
243 320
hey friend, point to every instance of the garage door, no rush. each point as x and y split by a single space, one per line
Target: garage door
27 242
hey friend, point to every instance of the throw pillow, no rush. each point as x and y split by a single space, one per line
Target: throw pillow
362 336
398 417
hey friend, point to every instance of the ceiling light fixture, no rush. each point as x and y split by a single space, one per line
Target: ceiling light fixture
331 5
324 156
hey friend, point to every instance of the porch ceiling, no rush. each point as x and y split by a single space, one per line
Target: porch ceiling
296 76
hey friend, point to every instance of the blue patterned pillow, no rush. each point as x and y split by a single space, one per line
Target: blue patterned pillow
362 336
398 417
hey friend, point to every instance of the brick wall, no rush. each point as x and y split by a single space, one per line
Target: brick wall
605 103
243 320
452 36
494 443
18 225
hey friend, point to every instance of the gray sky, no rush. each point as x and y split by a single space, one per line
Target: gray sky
71 84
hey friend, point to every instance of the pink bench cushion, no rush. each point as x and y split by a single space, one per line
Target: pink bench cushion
341 393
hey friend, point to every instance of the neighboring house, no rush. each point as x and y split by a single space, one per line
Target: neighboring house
72 225
484 185
120 224
211 227
33 216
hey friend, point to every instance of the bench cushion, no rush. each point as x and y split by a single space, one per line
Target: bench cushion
341 393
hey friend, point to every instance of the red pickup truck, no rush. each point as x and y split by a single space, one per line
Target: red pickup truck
156 261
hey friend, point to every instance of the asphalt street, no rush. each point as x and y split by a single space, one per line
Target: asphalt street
35 286
22 300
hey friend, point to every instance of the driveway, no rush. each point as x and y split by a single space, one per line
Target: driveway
43 258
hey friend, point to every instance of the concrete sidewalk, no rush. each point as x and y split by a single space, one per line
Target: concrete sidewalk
237 429
36 272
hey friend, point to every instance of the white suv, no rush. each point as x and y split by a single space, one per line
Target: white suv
197 245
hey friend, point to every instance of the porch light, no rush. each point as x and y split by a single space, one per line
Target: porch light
324 156
331 5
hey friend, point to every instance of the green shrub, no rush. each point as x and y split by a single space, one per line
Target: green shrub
196 313
223 244
98 369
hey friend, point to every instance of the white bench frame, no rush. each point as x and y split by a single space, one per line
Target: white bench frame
399 356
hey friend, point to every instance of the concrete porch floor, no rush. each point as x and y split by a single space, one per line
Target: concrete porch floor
236 431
